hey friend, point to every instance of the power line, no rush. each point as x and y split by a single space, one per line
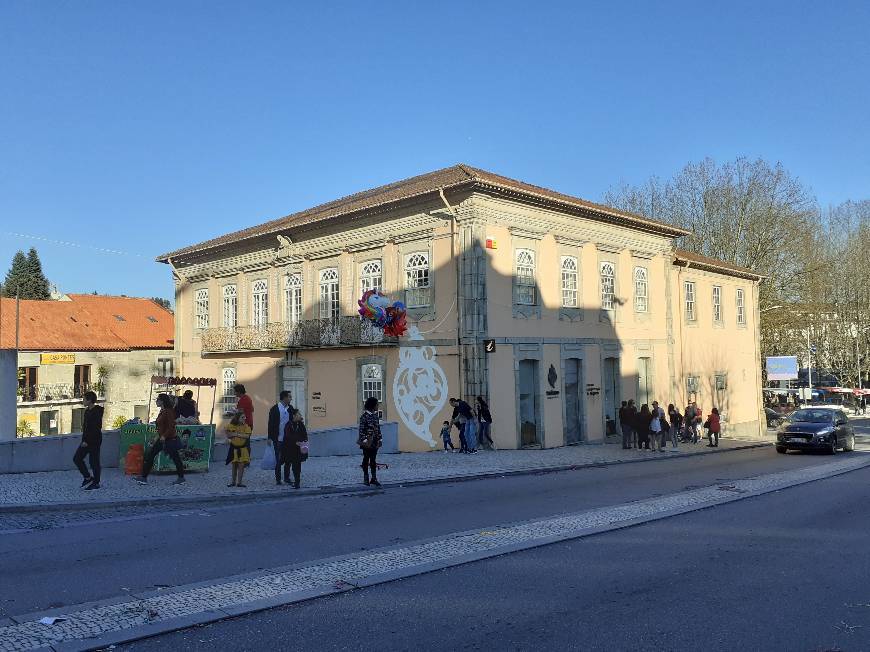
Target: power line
66 243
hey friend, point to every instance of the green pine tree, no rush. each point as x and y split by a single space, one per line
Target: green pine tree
25 277
16 277
38 284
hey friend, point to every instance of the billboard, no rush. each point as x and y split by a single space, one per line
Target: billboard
783 367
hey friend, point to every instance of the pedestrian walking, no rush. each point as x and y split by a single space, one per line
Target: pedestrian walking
713 427
239 454
92 440
369 440
462 416
655 426
689 424
632 422
624 425
446 427
676 422
294 448
643 420
279 417
167 441
484 424
697 422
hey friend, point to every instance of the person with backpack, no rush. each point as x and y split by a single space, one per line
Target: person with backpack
484 423
369 440
713 426
676 421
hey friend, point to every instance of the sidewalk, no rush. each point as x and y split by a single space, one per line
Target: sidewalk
32 491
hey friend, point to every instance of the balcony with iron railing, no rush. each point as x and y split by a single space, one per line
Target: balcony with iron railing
342 332
55 392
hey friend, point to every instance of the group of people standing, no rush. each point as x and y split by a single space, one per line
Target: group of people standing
474 426
652 427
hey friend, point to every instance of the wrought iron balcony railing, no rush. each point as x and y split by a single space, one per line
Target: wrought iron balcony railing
57 392
307 334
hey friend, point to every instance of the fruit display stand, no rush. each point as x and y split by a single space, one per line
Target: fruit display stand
136 441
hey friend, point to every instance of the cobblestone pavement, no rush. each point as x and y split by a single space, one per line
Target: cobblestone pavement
62 487
137 615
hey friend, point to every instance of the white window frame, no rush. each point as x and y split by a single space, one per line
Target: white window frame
228 380
371 276
741 307
525 281
717 303
230 305
201 308
690 301
568 268
418 280
607 276
293 298
329 306
372 384
260 303
641 289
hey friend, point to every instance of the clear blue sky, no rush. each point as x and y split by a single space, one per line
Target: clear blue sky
146 126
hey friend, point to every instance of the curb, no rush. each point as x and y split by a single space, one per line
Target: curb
350 489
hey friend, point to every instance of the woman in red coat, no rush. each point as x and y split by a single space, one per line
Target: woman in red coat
713 428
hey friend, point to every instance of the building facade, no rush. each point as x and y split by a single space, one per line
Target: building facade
553 308
109 345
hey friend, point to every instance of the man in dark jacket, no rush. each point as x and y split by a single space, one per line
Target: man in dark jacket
462 414
92 439
279 417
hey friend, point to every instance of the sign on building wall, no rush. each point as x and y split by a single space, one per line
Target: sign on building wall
57 358
783 367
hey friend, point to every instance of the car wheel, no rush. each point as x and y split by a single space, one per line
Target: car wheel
833 449
781 449
850 444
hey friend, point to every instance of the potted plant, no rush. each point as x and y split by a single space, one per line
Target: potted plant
20 394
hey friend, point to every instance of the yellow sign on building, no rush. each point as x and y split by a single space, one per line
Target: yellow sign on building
57 358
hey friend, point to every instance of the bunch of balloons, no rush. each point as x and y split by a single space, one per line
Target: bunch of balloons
377 308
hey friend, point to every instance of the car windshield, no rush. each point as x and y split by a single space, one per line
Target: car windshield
813 416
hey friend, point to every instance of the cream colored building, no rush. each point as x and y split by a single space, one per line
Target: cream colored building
554 308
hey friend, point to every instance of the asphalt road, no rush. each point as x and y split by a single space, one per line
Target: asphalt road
782 571
86 559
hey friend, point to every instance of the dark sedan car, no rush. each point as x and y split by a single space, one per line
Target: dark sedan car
816 428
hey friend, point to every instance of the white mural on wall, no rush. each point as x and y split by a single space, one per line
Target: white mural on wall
419 387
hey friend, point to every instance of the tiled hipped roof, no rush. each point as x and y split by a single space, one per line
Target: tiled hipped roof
689 259
86 323
457 177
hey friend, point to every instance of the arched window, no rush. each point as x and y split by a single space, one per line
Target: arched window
525 292
417 285
229 396
641 289
329 307
231 306
293 298
608 286
260 303
370 276
569 282
201 307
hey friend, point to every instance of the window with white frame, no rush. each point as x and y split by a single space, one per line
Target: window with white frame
228 400
231 306
418 283
259 303
525 291
370 277
372 384
641 289
201 307
293 298
608 286
741 308
717 303
329 307
569 281
689 289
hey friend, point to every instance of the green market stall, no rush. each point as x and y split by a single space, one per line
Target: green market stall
197 439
